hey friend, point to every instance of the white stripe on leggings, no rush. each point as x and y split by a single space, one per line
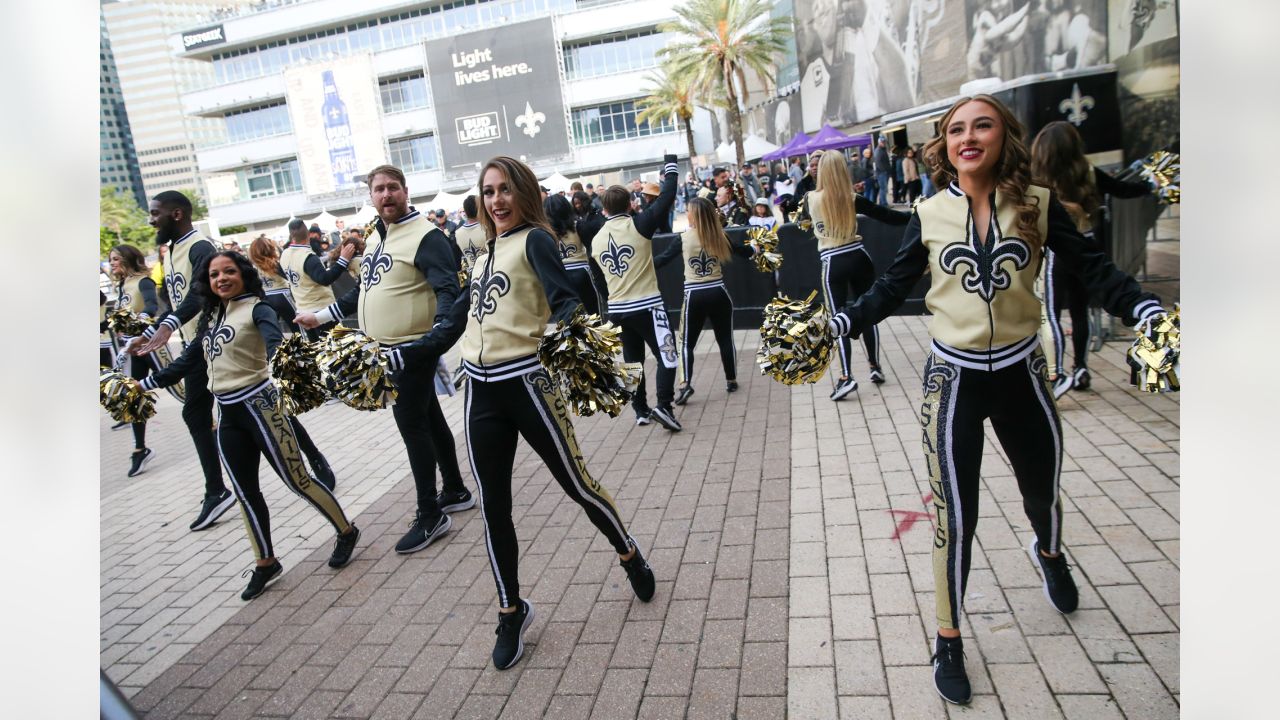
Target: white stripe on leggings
1051 413
503 600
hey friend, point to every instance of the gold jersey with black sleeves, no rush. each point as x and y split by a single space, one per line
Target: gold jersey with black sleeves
828 243
131 295
471 241
626 257
397 304
700 267
572 252
306 292
235 351
982 294
178 272
508 314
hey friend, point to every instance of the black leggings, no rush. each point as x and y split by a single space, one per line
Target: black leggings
251 427
197 413
642 328
701 304
1020 405
1067 290
584 285
497 415
427 437
842 272
139 369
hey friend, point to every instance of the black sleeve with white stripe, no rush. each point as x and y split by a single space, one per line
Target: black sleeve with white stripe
540 251
439 339
1119 293
650 219
891 290
672 251
191 359
316 270
340 308
150 301
268 324
437 263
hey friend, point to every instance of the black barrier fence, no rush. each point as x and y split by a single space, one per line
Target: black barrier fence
799 275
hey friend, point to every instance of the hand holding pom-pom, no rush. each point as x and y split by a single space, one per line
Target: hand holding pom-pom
764 242
123 399
123 321
795 340
1154 356
355 370
297 375
584 358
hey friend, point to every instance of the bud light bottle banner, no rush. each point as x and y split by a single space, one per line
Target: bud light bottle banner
337 130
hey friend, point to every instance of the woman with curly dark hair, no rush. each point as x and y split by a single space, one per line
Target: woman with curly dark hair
982 240
239 334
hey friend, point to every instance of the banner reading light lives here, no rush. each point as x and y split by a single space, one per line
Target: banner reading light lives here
497 92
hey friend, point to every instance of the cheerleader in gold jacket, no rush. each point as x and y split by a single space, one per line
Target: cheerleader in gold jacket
240 337
982 240
577 261
136 292
516 288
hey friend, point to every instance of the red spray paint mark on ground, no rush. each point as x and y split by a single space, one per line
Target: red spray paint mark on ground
908 518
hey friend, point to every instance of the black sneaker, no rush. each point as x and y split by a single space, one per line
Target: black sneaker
509 646
1064 383
843 388
1081 378
1058 585
683 396
422 534
643 418
949 676
139 461
261 577
450 501
343 547
877 376
212 509
731 385
639 574
666 419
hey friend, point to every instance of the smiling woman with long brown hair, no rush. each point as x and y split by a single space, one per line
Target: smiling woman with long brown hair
982 239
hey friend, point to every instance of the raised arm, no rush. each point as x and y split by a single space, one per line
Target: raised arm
648 220
315 269
1124 189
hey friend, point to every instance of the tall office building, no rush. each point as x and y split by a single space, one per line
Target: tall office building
117 159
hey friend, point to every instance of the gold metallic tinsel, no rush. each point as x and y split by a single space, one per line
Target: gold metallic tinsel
1153 357
801 216
1163 170
765 243
297 375
123 399
795 341
371 228
354 370
584 358
123 321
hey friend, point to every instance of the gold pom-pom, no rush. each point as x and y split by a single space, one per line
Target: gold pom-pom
765 243
123 321
1163 170
795 341
123 399
297 375
354 370
802 218
1153 357
584 357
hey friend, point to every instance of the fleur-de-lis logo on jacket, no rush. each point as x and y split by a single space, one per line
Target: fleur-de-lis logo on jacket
486 289
290 275
214 341
983 273
177 287
703 265
372 267
567 250
615 258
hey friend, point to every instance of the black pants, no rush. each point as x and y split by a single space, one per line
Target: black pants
197 413
642 328
1019 402
584 285
497 415
700 305
913 191
843 272
254 427
1066 290
427 437
139 369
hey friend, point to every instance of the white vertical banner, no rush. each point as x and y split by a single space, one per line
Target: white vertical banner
334 106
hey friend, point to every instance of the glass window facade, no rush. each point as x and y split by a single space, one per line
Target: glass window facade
384 33
414 154
607 56
277 178
406 93
614 121
258 122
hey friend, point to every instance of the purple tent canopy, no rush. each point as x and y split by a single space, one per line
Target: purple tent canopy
829 138
791 148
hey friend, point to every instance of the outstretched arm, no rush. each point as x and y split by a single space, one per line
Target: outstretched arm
890 291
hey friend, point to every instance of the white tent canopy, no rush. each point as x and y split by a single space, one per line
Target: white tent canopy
325 220
557 183
363 216
282 234
753 148
444 200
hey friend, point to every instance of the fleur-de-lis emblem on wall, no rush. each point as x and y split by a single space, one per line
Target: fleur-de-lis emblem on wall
372 267
486 289
1075 107
213 342
983 273
615 258
703 265
530 120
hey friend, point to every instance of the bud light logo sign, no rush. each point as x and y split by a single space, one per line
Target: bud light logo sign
479 129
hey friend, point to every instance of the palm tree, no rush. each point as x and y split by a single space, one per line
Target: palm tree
721 40
116 211
671 97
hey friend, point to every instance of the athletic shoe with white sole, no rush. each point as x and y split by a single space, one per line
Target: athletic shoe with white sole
423 532
731 385
212 508
642 419
843 388
1064 383
139 461
261 577
877 376
666 418
1081 378
949 676
509 646
451 501
684 394
1059 587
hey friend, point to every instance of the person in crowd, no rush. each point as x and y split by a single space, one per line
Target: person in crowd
705 249
883 168
858 173
339 232
869 183
443 222
650 191
265 257
750 183
911 175
731 213
847 270
309 279
136 291
795 171
899 179
595 197
351 278
469 237
572 252
408 282
511 395
762 215
575 187
1058 163
239 336
315 238
810 179
985 361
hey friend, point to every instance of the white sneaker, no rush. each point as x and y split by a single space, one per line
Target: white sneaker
843 388
1064 383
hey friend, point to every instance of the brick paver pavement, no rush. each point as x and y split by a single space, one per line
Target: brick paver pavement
790 536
